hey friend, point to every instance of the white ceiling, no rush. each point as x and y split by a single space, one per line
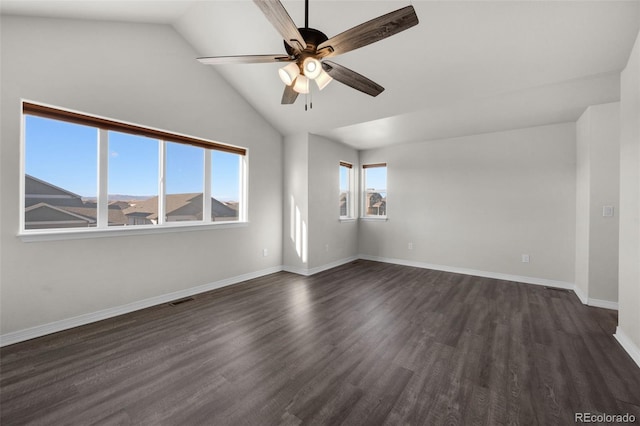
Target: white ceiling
468 67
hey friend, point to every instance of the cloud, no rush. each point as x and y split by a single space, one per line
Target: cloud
114 154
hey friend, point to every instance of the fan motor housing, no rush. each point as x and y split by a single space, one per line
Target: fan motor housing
313 38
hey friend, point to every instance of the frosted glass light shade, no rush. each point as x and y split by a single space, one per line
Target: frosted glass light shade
289 73
301 84
323 79
312 68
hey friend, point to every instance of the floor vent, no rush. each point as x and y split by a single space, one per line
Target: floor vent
181 301
564 290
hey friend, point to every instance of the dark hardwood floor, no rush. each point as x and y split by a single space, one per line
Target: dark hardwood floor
365 343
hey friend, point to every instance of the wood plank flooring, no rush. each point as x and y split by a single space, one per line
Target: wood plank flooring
363 344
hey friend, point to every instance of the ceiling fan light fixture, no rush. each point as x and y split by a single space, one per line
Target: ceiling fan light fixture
323 79
289 73
312 68
301 84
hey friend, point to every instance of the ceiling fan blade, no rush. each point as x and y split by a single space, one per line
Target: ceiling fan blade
244 59
280 19
369 32
289 95
352 79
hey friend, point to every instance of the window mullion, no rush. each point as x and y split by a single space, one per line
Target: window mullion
103 180
206 206
243 208
162 169
352 193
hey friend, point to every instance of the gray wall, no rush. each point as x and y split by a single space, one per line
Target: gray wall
629 263
144 74
296 203
314 237
330 239
480 202
598 185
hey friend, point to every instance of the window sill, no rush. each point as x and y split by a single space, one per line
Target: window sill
374 218
87 233
348 219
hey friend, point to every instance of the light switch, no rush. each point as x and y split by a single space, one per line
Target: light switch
607 211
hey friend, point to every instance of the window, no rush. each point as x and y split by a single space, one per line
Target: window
90 172
61 172
225 188
185 183
345 200
374 178
133 179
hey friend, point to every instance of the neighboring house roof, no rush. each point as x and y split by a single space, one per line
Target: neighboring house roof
44 212
35 186
38 191
41 197
231 204
87 212
121 204
189 204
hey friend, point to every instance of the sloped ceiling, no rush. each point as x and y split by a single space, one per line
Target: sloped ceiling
467 68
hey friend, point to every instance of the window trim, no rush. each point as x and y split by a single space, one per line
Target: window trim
54 113
61 234
103 125
364 215
350 194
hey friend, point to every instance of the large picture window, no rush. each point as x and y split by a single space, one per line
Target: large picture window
82 171
374 177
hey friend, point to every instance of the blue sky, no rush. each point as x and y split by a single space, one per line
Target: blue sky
65 155
376 177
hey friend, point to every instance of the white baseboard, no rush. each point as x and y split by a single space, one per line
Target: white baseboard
496 275
606 304
583 297
317 269
41 330
628 345
54 327
598 303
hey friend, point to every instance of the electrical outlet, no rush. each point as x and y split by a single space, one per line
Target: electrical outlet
265 252
410 246
525 258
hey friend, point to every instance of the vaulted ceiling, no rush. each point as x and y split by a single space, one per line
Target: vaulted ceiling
467 68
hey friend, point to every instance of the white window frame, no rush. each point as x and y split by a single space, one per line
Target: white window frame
350 190
102 229
365 192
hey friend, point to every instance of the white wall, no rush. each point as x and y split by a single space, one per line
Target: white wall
597 185
583 173
628 332
330 240
480 202
314 237
145 74
296 203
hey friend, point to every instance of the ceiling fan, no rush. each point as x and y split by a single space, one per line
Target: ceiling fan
307 49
